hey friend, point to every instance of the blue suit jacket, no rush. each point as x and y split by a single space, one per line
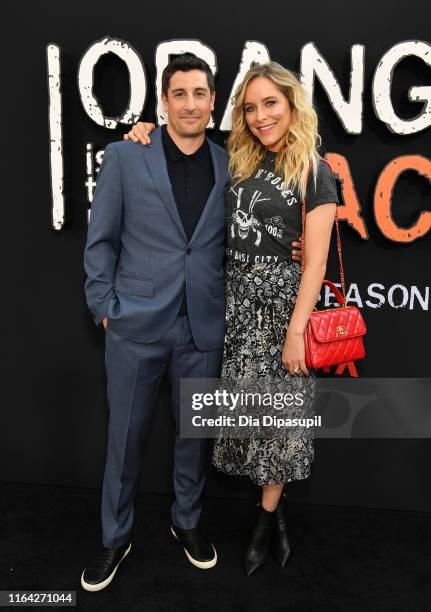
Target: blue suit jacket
137 257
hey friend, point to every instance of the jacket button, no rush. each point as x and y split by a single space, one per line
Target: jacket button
188 251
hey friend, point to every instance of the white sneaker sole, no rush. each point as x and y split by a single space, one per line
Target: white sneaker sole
101 585
195 562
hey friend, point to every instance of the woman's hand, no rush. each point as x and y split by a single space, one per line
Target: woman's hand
296 250
293 356
139 133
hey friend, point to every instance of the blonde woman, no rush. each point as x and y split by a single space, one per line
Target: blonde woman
274 165
271 146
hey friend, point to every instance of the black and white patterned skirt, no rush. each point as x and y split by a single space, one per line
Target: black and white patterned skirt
260 299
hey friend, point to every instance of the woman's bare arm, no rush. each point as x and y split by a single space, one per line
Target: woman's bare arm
319 225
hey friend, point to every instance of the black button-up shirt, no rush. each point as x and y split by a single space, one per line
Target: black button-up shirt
192 179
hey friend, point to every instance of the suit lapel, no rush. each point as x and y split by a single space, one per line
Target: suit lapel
219 180
156 162
155 158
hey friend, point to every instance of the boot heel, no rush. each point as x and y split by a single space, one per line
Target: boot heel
281 544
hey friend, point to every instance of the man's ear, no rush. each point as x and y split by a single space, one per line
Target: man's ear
212 101
165 103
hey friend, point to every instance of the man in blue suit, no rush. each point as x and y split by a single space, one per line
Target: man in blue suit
154 265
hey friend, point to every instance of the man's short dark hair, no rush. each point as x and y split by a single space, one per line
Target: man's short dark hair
184 63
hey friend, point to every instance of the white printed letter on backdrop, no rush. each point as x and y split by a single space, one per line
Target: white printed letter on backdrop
382 84
138 81
349 111
253 53
55 135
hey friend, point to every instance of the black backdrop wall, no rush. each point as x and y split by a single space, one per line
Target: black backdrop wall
54 416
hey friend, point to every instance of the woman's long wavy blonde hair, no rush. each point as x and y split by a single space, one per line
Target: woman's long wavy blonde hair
302 139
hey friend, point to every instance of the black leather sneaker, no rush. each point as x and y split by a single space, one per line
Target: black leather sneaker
199 551
102 569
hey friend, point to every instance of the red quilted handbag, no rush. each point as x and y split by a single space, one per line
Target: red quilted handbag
333 336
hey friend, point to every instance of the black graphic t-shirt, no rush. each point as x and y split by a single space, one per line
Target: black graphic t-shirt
263 218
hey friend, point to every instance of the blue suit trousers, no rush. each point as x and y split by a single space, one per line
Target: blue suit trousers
134 371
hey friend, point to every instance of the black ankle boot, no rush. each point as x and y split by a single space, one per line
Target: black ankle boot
259 543
281 544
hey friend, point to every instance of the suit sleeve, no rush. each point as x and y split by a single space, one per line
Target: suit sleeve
103 239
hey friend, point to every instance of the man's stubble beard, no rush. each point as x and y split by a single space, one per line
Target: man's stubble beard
192 132
188 131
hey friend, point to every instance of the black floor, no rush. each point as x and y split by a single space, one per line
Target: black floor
345 558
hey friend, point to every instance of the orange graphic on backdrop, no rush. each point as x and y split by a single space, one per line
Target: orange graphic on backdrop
383 197
351 211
